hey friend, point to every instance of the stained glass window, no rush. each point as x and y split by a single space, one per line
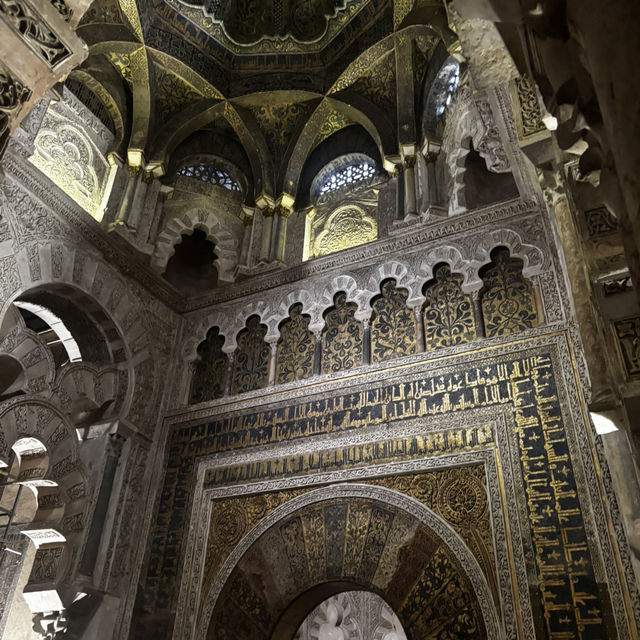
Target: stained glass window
211 174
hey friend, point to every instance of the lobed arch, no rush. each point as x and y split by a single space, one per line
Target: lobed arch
30 351
533 258
324 583
226 245
453 256
470 127
260 309
198 333
87 394
394 270
303 297
347 284
457 140
465 259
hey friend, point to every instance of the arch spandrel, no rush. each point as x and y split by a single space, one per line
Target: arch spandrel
329 540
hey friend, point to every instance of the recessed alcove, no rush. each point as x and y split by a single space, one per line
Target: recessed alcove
190 269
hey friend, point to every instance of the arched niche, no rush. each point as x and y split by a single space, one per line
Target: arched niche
344 538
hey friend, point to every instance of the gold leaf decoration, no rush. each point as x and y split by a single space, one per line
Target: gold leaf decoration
393 325
347 226
508 301
173 94
251 358
448 312
122 62
296 347
341 337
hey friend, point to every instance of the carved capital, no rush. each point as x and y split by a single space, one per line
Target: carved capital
409 162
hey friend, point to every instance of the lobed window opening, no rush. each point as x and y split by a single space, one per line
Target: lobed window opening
211 174
349 175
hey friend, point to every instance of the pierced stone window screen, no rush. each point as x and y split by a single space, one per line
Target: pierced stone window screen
350 174
446 84
211 174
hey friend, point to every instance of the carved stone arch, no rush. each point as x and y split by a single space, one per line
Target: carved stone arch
264 311
87 394
470 122
85 280
226 246
456 144
31 352
40 419
255 145
322 123
354 293
534 259
404 280
197 333
449 542
104 82
300 296
457 261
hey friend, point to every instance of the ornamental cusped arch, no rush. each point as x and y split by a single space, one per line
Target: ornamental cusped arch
226 242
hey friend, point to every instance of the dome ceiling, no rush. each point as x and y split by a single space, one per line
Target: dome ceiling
245 34
273 77
273 25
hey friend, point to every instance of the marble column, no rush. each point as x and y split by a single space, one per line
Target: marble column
247 220
410 206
